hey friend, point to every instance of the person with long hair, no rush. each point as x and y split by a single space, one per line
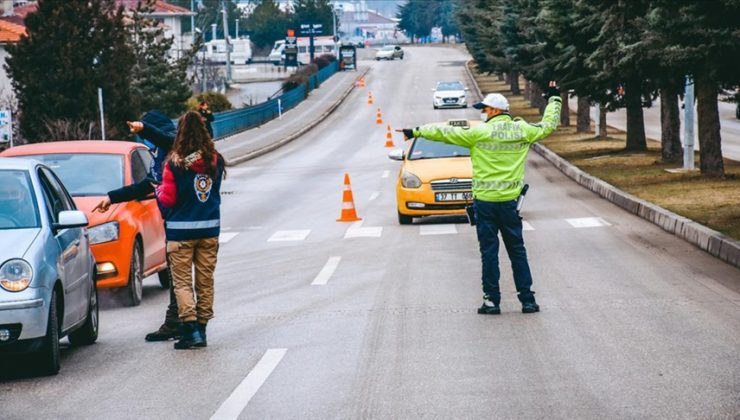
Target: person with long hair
191 191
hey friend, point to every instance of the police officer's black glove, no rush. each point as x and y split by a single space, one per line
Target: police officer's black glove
408 133
552 90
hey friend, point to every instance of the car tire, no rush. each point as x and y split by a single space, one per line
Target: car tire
47 358
435 106
88 332
377 58
404 219
401 57
135 277
165 278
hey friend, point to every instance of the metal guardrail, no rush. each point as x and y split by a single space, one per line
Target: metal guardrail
231 122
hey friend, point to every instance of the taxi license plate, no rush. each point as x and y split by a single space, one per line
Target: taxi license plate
453 196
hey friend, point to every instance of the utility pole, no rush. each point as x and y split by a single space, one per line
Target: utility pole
688 136
236 34
192 19
102 114
227 41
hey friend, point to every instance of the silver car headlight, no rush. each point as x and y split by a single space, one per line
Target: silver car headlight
409 180
16 275
106 232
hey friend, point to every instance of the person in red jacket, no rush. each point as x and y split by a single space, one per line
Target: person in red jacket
190 191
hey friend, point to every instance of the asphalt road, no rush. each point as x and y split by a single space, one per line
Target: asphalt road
634 324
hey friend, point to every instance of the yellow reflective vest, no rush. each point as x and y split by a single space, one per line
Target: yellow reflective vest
498 149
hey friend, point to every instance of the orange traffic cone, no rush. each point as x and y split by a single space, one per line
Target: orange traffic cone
348 203
378 118
389 139
369 98
362 81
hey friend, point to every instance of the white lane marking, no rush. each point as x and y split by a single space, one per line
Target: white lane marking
527 226
447 229
289 235
327 271
357 231
587 222
239 398
225 237
386 174
374 195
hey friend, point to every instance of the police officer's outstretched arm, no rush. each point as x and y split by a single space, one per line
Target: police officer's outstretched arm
550 121
465 137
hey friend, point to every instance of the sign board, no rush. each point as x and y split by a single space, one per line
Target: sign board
291 51
311 29
6 126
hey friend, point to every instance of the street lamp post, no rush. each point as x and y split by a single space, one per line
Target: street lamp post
688 137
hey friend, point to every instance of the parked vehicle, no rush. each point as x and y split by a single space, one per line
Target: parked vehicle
389 52
277 57
449 95
322 45
47 271
128 240
241 51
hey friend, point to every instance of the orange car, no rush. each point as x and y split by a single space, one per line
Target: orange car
128 240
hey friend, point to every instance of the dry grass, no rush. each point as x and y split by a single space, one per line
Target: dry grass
712 202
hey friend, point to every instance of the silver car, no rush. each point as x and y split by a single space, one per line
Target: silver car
450 95
47 271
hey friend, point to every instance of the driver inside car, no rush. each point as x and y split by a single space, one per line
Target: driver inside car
15 204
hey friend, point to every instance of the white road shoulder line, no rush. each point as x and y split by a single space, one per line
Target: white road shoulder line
373 196
325 274
447 229
289 235
526 225
587 222
225 237
239 398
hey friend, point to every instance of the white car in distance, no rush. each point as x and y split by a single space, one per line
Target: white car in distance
450 95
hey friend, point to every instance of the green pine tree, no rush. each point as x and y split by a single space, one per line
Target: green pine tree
157 82
73 47
267 23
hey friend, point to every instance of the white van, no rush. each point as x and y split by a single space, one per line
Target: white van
241 51
322 45
277 56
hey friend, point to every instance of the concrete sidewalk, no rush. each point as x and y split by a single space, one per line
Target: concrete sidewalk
320 103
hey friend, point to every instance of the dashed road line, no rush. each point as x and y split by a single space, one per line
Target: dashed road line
374 195
239 398
526 225
386 174
357 231
327 271
587 222
225 237
289 235
446 229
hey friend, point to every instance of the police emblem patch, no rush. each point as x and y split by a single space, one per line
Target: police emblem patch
203 184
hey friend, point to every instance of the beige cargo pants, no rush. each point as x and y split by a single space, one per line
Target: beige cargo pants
193 305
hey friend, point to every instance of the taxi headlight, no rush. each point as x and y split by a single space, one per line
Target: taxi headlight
16 275
409 180
103 233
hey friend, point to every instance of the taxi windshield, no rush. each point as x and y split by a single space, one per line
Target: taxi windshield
75 170
450 86
17 202
427 149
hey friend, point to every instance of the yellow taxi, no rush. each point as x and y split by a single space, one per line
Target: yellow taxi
435 178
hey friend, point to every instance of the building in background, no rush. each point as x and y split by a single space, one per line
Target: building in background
359 22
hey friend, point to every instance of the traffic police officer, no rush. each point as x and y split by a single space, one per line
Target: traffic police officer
498 150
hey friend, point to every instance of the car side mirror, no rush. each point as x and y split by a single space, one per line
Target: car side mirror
69 219
396 154
467 89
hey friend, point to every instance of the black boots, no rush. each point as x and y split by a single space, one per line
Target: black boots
165 332
530 308
191 337
489 307
202 328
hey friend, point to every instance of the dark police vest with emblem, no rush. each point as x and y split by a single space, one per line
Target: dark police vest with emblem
197 213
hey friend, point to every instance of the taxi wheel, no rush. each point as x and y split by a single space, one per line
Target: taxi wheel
404 219
134 288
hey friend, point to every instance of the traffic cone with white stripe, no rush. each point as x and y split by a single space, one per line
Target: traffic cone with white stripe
378 118
348 203
389 139
369 98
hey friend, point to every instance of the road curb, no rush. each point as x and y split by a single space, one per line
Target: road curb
270 147
709 240
472 79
